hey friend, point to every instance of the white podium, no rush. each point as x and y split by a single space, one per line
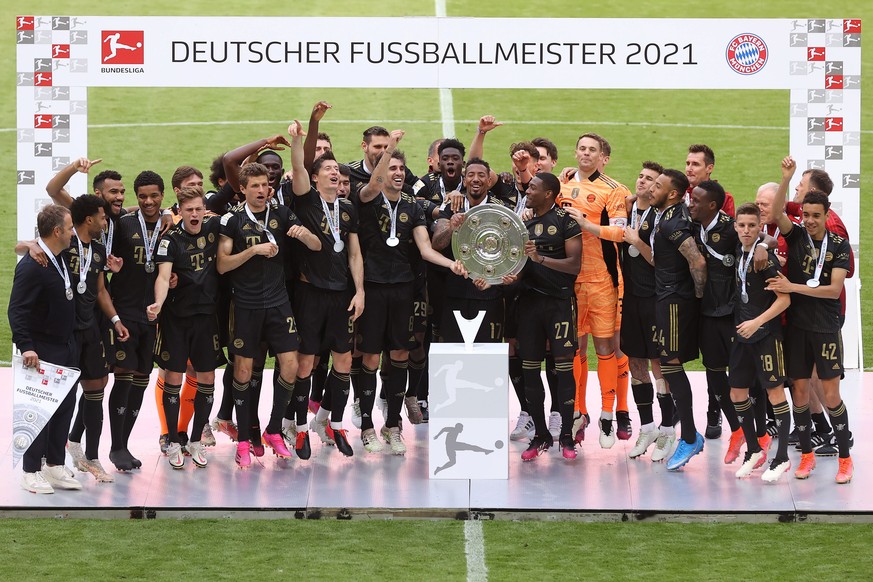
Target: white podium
469 411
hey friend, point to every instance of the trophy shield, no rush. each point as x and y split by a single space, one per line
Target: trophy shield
490 242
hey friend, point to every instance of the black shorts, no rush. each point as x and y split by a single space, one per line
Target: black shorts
193 338
545 319
805 349
387 321
323 319
275 326
136 353
510 315
677 328
763 360
491 330
716 340
639 330
436 296
107 334
92 356
419 306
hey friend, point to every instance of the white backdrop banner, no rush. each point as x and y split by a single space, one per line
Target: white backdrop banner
816 61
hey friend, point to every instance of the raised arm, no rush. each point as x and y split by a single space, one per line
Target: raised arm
301 185
477 146
788 167
56 187
696 263
233 159
380 173
318 111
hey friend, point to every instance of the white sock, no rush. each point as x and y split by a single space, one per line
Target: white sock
287 423
322 414
647 427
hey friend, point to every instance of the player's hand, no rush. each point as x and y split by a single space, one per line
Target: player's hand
530 249
576 215
457 220
748 328
510 279
527 214
114 263
567 174
395 137
37 254
174 280
631 235
166 223
121 333
152 311
297 231
456 201
356 306
487 123
288 176
481 284
296 129
266 249
30 359
779 284
782 260
761 259
84 164
521 160
459 269
319 109
277 142
788 167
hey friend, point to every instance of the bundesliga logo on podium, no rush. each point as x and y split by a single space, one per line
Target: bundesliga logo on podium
122 47
747 54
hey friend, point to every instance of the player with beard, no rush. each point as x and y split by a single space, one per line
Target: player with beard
468 297
757 352
326 303
375 141
390 221
638 323
548 318
132 290
597 203
253 247
680 280
188 332
818 262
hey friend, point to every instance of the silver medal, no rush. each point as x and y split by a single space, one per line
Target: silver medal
728 261
150 267
69 294
812 283
744 298
81 287
633 251
392 241
338 246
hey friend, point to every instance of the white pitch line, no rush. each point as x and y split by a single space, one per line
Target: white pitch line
474 548
447 103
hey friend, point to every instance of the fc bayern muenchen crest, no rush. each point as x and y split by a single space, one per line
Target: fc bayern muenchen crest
747 54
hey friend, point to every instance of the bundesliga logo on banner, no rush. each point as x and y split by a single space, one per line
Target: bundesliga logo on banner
747 54
122 47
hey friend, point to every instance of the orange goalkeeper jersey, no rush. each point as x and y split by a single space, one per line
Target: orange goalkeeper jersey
602 201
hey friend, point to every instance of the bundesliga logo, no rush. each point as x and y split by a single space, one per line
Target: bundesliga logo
747 54
122 47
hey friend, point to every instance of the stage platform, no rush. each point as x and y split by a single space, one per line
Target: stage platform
599 485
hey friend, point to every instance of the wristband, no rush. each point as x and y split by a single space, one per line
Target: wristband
114 319
542 260
764 246
167 212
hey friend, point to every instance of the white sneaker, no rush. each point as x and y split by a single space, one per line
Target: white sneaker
644 441
524 429
663 446
36 483
175 456
319 427
555 425
607 433
356 413
372 444
413 412
289 433
749 464
197 450
395 441
775 470
382 404
60 477
96 468
207 438
76 454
